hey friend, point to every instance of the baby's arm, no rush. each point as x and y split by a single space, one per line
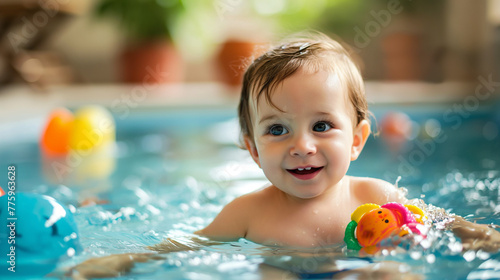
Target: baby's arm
109 266
476 236
119 264
231 223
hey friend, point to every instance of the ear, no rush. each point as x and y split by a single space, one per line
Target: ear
250 145
361 133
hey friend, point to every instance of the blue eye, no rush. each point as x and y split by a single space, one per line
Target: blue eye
277 130
322 126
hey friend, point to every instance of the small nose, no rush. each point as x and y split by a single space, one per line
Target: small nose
303 146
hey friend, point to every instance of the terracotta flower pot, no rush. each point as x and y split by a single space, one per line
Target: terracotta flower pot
152 63
402 56
233 58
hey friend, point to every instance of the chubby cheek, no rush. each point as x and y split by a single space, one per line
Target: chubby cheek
270 160
338 155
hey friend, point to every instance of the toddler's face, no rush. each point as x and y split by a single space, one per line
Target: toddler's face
306 149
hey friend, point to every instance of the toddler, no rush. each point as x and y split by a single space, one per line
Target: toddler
304 118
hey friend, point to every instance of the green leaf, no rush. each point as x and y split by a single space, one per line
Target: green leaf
143 19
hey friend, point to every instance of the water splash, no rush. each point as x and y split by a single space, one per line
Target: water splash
142 218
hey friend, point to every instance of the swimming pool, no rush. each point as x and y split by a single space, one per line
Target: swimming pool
173 170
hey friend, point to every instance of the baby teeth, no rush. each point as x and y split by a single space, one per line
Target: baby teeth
302 169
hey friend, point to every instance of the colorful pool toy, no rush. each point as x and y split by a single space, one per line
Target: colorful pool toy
396 129
1 191
38 231
93 129
371 223
55 137
90 128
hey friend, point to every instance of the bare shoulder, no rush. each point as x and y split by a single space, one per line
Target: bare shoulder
372 190
258 202
232 222
254 200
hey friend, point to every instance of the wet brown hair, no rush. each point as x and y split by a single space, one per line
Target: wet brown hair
310 52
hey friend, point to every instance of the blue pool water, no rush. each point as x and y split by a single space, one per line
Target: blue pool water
173 171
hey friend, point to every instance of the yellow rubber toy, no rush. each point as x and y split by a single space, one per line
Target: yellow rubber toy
417 212
361 210
93 128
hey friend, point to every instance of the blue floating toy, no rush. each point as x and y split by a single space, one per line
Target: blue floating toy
35 233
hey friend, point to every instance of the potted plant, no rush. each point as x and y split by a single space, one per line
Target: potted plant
149 56
402 41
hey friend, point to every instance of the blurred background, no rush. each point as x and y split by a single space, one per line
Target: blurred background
69 41
409 49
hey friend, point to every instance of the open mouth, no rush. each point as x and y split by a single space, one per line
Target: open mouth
305 173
